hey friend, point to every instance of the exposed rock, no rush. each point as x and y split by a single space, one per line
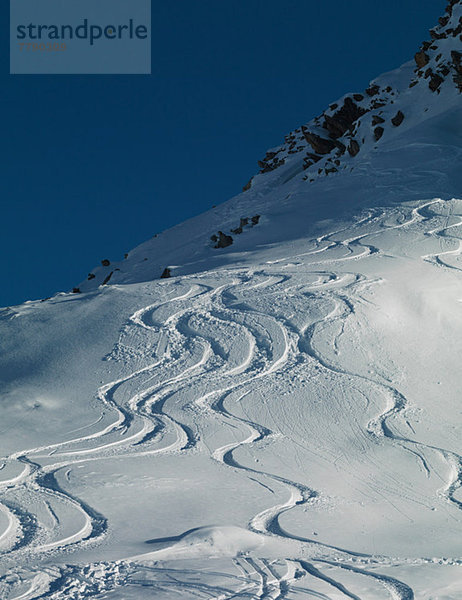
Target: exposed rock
443 21
358 97
105 262
421 59
343 119
91 276
270 162
437 36
340 147
248 185
166 273
319 144
373 90
435 82
314 157
376 120
378 132
76 290
353 148
243 223
458 81
457 60
223 240
398 119
126 254
106 280
255 219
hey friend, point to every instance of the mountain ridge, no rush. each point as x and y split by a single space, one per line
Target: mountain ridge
333 144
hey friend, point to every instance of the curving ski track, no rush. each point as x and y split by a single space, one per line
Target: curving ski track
191 356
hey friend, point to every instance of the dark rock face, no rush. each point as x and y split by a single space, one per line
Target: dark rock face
314 157
456 58
242 224
421 59
434 62
435 82
319 144
457 61
76 290
91 276
270 162
255 220
373 90
353 148
105 262
398 119
248 185
376 120
378 132
343 119
223 240
166 273
106 280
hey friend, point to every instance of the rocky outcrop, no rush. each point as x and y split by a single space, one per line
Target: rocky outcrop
105 262
378 133
342 121
421 59
435 82
106 279
270 162
222 240
248 222
398 119
242 224
320 145
341 128
376 120
248 185
353 148
166 273
373 90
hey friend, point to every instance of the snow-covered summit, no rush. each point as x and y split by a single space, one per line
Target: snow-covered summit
397 109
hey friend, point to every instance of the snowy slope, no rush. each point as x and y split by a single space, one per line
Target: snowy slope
281 418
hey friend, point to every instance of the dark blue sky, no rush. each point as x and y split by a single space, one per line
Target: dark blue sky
94 165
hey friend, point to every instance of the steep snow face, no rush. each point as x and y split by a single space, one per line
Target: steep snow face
279 418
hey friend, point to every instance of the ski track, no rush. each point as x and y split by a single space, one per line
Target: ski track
142 423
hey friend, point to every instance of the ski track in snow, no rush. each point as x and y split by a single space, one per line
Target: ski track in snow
192 356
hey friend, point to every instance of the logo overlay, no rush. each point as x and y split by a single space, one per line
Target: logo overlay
80 37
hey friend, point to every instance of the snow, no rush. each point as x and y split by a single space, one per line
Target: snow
280 419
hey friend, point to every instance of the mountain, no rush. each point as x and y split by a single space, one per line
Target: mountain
264 401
